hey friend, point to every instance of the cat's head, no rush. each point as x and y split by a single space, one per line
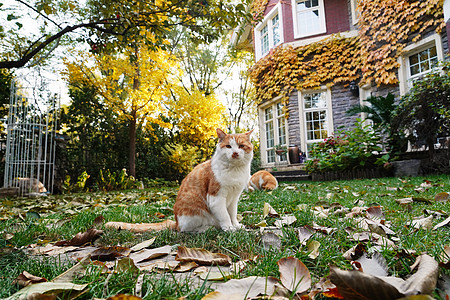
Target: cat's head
235 147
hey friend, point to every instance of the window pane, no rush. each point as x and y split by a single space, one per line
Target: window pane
264 40
268 113
413 59
269 135
316 100
423 61
270 156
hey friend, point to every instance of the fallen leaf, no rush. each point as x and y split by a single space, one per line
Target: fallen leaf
25 279
375 265
355 252
124 297
444 258
148 254
202 256
444 196
356 285
249 287
294 275
110 253
313 249
326 288
221 296
215 276
269 211
424 280
375 213
143 227
82 238
285 220
144 244
444 286
271 240
304 233
404 201
425 223
68 289
76 271
443 223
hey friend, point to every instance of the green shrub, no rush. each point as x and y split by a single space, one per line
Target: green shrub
347 150
108 181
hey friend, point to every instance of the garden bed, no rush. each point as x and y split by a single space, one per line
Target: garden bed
350 174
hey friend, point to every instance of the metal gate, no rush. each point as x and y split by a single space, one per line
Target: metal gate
30 142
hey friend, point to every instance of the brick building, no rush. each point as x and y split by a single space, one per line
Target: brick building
390 50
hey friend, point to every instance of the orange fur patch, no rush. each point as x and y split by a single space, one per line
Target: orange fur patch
263 180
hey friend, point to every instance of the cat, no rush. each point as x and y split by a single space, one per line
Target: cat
209 194
262 180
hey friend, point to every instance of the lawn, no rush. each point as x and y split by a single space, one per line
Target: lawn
314 222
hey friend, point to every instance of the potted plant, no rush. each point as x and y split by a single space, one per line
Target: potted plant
280 149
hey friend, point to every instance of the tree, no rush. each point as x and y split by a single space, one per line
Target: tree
134 85
107 25
6 78
424 111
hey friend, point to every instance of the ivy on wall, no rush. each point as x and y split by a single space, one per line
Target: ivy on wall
330 61
386 27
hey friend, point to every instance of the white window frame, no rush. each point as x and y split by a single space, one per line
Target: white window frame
267 21
302 116
404 72
276 136
355 13
322 20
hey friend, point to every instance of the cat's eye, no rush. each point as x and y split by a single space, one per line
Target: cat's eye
241 146
228 146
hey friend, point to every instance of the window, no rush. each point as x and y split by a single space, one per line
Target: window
275 132
419 59
309 17
316 117
268 34
422 62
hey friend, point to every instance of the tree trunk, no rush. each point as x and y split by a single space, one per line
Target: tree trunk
132 146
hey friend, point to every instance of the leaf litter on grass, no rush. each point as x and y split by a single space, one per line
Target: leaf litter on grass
369 226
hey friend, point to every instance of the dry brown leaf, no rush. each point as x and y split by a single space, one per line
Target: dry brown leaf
221 296
124 297
143 227
144 244
202 256
325 287
313 249
355 252
375 213
77 270
425 223
285 220
304 233
269 211
445 258
82 238
271 240
424 280
444 196
375 265
443 223
356 285
404 201
294 275
110 253
444 286
250 287
26 278
148 254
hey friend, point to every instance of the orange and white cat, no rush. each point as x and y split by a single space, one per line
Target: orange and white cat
262 180
209 194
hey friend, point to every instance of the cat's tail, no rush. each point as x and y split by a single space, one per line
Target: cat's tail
143 227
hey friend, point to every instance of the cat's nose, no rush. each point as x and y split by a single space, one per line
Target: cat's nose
235 155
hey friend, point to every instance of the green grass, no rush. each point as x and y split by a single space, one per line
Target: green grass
61 217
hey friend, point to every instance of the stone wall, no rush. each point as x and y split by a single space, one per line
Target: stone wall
342 99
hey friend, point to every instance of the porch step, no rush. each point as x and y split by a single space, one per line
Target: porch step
294 175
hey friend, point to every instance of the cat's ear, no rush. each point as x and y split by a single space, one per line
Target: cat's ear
249 133
220 134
